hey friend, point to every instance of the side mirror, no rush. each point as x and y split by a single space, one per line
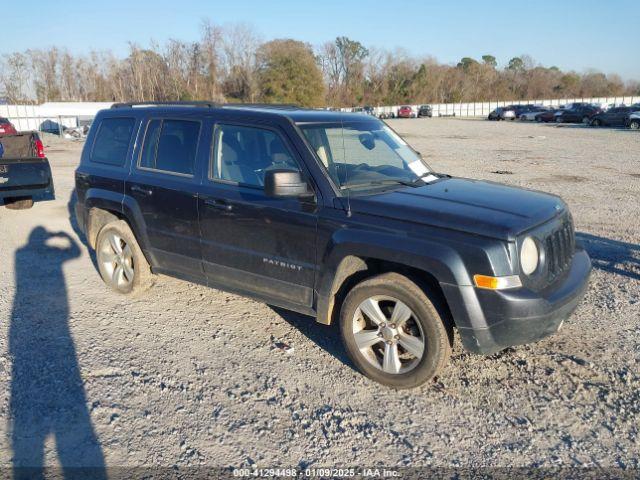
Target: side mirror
285 182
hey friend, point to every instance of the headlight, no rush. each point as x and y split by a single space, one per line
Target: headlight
529 256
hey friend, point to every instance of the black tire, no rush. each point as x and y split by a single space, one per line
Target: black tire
18 203
585 120
539 119
436 331
142 277
596 123
634 124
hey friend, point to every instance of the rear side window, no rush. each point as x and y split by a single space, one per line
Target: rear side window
112 141
170 146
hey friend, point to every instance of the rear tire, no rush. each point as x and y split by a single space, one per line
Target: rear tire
121 263
18 203
393 332
585 120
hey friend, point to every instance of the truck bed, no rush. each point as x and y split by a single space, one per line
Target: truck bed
23 175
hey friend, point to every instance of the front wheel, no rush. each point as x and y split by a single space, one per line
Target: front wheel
121 262
18 203
585 120
393 332
634 125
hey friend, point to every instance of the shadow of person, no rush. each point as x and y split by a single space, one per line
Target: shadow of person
47 394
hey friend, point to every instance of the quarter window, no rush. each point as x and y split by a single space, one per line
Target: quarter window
112 141
170 146
243 154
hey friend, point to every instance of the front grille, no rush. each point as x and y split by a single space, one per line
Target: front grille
559 249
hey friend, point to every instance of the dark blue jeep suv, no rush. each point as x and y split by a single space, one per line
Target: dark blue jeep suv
332 215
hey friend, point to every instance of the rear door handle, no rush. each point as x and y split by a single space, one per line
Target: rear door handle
217 203
142 190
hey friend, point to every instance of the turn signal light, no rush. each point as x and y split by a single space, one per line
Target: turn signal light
497 283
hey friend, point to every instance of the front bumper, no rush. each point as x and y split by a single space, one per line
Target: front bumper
491 320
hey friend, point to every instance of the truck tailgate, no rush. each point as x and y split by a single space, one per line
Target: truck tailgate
26 177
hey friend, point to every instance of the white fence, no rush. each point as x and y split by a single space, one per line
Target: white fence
482 109
56 116
51 117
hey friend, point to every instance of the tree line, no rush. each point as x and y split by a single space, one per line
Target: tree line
232 64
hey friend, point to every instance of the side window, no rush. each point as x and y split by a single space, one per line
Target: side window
112 141
170 146
243 154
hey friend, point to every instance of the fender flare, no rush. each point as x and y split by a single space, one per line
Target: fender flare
347 251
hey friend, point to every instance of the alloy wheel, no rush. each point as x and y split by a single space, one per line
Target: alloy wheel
116 258
388 334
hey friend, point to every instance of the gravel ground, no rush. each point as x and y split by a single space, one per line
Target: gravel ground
186 375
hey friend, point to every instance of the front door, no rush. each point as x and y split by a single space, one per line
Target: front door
164 186
251 243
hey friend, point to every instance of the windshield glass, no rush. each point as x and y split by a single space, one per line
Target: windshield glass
364 155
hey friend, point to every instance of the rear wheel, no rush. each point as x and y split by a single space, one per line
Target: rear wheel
585 120
596 122
634 125
18 203
393 332
121 263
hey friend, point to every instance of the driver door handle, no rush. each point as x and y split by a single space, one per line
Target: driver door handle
142 190
217 203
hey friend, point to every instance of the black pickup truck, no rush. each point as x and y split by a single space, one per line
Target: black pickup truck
25 175
332 215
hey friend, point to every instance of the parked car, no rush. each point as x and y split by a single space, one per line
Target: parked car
406 112
366 110
548 115
25 175
531 114
6 127
633 122
614 117
362 231
580 114
425 111
502 113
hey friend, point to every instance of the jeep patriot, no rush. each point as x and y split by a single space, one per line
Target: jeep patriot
331 215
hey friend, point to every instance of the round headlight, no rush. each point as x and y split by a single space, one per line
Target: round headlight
529 256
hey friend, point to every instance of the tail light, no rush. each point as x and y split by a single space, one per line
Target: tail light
39 148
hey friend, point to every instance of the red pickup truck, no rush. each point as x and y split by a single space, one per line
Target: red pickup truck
6 127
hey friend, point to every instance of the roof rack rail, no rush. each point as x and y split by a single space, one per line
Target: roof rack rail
287 106
169 104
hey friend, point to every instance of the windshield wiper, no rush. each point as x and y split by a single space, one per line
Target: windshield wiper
391 181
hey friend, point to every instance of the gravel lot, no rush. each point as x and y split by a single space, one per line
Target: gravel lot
187 375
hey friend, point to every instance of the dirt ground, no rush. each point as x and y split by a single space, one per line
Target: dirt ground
186 375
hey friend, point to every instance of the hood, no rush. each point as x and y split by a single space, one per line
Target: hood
483 208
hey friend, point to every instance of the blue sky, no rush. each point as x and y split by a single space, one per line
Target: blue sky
571 34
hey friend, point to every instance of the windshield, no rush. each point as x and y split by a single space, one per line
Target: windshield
364 155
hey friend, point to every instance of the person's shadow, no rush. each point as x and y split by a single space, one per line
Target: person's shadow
47 394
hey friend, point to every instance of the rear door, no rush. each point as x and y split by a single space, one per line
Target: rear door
164 185
251 243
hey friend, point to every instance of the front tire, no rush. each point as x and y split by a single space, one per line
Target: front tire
18 203
634 125
121 263
393 332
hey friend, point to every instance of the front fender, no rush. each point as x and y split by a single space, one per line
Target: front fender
436 258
